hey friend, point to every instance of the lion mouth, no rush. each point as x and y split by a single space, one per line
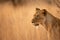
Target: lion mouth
35 24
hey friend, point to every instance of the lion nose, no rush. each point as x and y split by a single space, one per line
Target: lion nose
32 22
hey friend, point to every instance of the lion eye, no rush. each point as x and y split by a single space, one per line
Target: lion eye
37 15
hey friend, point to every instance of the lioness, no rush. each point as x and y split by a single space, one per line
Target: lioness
50 23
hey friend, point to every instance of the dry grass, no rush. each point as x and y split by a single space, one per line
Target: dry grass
15 23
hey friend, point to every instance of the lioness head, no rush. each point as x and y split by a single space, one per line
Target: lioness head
39 17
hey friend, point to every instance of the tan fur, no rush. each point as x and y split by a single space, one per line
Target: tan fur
51 23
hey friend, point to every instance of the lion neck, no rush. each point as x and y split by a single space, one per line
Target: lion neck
48 21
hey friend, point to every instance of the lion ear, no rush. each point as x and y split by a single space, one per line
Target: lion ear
44 12
37 9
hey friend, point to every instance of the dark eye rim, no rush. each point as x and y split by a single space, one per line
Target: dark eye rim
37 15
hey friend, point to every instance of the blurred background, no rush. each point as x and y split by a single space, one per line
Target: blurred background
15 21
